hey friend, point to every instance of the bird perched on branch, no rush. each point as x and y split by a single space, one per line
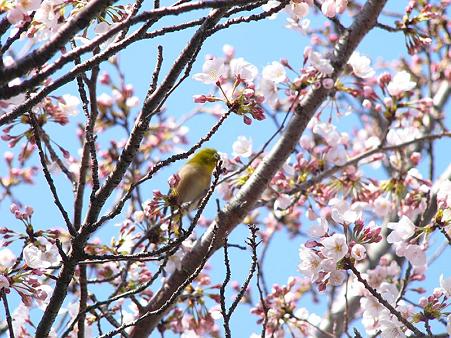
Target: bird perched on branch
193 180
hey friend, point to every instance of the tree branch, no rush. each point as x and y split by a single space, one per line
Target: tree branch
249 194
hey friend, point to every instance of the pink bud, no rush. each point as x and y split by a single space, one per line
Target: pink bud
384 79
415 158
28 211
199 98
13 208
6 137
247 120
174 180
105 79
367 91
8 156
423 302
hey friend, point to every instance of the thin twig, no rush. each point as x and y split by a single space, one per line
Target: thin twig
381 300
7 313
47 175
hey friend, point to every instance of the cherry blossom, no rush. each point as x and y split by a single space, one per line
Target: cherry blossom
358 252
342 213
398 136
69 104
334 247
242 147
245 70
212 71
402 230
42 256
400 83
445 284
321 64
319 228
321 165
7 259
444 194
310 263
274 72
361 65
331 8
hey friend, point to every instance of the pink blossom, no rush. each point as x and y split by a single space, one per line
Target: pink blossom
337 155
331 8
4 282
15 15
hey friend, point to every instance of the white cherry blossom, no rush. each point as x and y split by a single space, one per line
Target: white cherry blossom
445 284
319 228
41 257
7 259
361 65
444 194
244 69
391 328
401 82
402 230
310 263
398 136
334 247
321 64
342 213
274 72
69 104
337 277
358 252
242 147
281 205
212 70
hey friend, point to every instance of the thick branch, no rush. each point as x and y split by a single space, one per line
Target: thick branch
66 33
249 194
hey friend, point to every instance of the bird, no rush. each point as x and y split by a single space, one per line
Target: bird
193 179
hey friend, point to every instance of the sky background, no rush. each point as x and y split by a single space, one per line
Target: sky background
259 43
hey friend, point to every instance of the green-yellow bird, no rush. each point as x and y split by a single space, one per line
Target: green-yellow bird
195 178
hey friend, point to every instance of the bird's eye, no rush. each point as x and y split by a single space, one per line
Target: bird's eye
217 157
